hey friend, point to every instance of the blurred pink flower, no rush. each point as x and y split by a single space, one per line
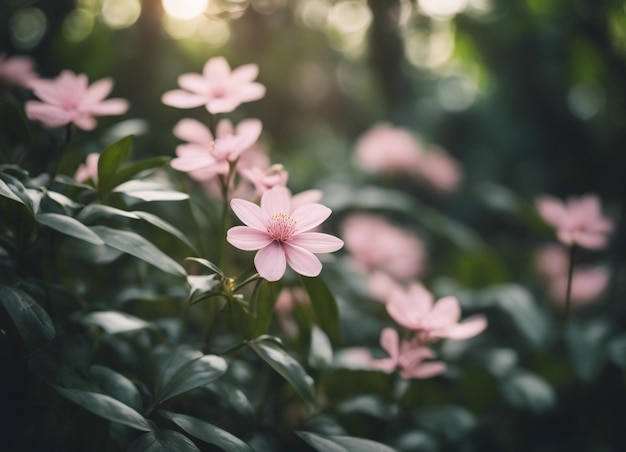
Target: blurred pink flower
218 88
588 283
388 149
88 170
415 309
286 302
381 285
69 99
204 157
440 170
17 70
407 356
578 221
377 245
265 178
282 234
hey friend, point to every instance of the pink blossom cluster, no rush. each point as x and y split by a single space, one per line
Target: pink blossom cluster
426 321
588 282
395 150
577 221
387 254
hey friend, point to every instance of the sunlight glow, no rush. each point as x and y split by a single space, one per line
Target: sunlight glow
442 9
185 9
120 13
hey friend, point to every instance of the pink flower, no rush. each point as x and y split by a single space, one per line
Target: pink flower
282 234
381 285
219 89
68 99
17 70
203 157
265 178
388 149
578 221
406 356
377 245
88 170
440 170
588 283
416 310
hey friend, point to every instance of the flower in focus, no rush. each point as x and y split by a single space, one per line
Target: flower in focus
406 356
376 245
205 157
281 234
388 149
69 99
440 170
578 221
17 70
588 282
218 88
415 309
88 170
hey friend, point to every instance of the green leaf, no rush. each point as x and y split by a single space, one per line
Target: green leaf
30 319
109 162
207 264
321 351
163 441
16 189
95 211
165 226
192 375
263 308
203 287
6 191
527 391
271 351
130 170
106 407
340 443
324 306
69 226
135 245
114 322
207 432
150 190
116 385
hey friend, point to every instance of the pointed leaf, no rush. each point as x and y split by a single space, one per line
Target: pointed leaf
16 188
324 306
263 308
109 162
320 352
95 211
527 391
106 407
6 191
192 375
130 170
69 226
114 322
207 432
207 264
116 385
321 443
30 319
137 246
272 352
163 441
154 220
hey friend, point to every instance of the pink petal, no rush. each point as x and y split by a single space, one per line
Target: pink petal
225 128
552 210
244 74
401 309
46 90
97 92
249 213
590 240
424 370
109 107
194 83
390 342
270 262
446 311
249 130
85 122
182 99
193 131
248 239
305 197
468 328
422 299
276 200
302 261
309 216
222 104
250 92
217 68
317 242
50 115
191 160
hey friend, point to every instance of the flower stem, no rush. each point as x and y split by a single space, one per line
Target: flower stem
69 131
570 277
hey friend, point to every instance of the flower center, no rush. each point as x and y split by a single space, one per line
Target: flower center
281 226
